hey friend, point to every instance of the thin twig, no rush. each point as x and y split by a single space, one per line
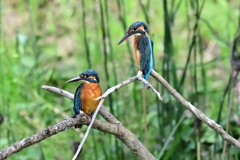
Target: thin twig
58 91
134 78
108 117
150 86
70 96
103 111
118 130
122 133
88 129
45 133
114 127
138 77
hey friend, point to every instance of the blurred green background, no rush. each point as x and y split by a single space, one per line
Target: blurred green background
47 42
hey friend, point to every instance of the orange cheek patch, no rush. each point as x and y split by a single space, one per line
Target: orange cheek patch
140 28
92 77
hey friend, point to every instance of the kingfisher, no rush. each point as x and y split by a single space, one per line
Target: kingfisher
142 45
86 93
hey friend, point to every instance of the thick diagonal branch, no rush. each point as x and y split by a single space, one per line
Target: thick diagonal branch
118 130
113 127
195 111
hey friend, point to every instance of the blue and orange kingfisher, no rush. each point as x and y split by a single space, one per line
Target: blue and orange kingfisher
142 45
86 93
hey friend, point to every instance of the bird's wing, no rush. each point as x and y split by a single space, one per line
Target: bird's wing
77 101
146 60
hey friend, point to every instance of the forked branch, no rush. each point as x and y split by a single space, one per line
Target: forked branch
113 126
134 78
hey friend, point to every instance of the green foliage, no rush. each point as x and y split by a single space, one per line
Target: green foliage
48 42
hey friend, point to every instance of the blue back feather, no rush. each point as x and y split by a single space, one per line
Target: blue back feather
145 46
151 60
77 101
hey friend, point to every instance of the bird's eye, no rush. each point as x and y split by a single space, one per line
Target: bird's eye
135 28
131 31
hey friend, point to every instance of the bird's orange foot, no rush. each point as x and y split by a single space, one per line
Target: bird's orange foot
89 115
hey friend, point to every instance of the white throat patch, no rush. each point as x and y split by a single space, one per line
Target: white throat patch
84 81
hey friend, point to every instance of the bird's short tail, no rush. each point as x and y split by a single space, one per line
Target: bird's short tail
146 75
146 78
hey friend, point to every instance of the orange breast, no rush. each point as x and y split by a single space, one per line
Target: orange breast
90 91
136 52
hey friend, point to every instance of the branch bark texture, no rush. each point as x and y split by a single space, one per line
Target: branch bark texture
113 127
196 111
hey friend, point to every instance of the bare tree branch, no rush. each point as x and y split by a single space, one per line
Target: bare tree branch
195 111
52 130
103 111
137 77
88 130
118 130
59 91
115 128
134 78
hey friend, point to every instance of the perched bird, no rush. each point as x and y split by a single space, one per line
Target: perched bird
86 92
142 45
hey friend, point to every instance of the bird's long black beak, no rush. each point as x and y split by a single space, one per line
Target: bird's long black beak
124 38
74 79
